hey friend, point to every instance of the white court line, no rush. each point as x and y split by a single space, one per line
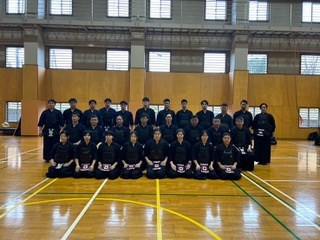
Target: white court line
302 145
2 207
287 196
283 203
286 180
76 221
19 154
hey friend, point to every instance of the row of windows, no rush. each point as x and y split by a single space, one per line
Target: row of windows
308 117
161 9
61 58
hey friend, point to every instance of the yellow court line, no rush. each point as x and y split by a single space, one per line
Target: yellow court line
36 192
159 220
211 233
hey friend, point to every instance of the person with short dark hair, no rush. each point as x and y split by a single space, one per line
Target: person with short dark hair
184 115
108 157
75 129
161 117
126 115
225 118
168 130
215 132
244 113
50 124
132 158
205 116
85 157
121 133
226 156
193 131
145 110
263 128
180 156
96 130
156 153
67 114
107 114
62 158
87 114
144 130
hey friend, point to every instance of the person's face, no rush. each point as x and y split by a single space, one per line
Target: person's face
75 118
94 121
180 135
224 109
51 105
145 104
226 139
133 138
243 106
119 121
107 104
63 138
216 123
87 137
184 105
166 105
144 120
263 108
169 118
73 104
204 137
92 105
204 106
123 107
109 138
194 121
239 123
157 136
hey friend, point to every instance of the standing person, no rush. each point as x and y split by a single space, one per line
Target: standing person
226 156
132 158
126 115
67 114
168 130
96 131
184 115
225 118
75 129
144 130
263 129
193 131
108 157
241 138
145 110
62 155
108 114
121 133
85 157
215 132
202 154
180 155
156 153
244 113
205 116
161 117
50 124
87 114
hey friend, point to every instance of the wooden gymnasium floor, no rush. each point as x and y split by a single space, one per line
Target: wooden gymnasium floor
280 201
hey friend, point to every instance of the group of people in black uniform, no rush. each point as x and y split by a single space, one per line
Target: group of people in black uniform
107 144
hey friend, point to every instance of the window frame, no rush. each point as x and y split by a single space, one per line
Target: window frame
18 13
308 54
129 11
148 67
65 104
258 53
217 52
267 14
160 18
17 111
10 46
300 120
51 47
253 110
63 15
216 20
311 13
113 49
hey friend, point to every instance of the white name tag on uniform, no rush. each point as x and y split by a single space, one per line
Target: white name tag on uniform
106 167
131 166
85 167
156 165
204 167
181 168
59 165
228 169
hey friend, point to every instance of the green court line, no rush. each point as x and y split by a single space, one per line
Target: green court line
267 211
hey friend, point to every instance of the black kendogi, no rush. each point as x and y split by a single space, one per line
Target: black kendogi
168 132
205 118
61 154
180 155
183 118
227 156
215 135
51 120
246 115
132 155
263 127
161 117
108 116
151 116
127 118
87 114
145 133
75 132
67 115
226 121
121 134
156 152
97 134
107 156
192 134
85 153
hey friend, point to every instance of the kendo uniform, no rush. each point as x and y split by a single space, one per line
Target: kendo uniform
121 134
193 134
205 119
87 114
61 154
107 156
108 117
226 121
263 128
247 117
67 115
75 132
132 155
215 135
241 138
183 118
180 155
145 133
161 117
227 156
127 118
156 153
151 116
204 156
97 134
168 132
52 121
85 153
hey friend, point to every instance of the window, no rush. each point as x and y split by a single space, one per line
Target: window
258 10
216 10
215 109
159 61
310 64
311 12
62 106
156 108
309 117
61 7
14 57
117 60
257 63
160 9
15 6
13 111
116 107
118 8
254 110
214 63
60 58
